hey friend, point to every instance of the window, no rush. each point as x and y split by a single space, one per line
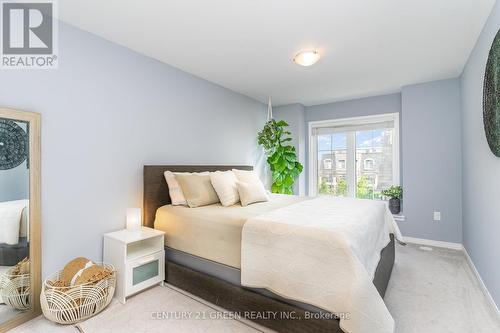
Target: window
332 180
355 157
341 164
369 164
327 164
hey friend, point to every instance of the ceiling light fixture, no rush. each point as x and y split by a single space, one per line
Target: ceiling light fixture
306 58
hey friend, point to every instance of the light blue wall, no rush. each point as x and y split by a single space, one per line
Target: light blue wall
481 169
432 160
355 108
14 183
106 112
294 115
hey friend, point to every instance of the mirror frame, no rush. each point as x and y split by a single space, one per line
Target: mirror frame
35 250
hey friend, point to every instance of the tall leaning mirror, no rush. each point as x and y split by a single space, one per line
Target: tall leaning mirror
20 248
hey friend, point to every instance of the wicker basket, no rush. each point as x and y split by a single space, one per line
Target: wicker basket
69 305
15 289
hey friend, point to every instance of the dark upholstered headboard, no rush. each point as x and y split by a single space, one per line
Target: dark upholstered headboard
156 189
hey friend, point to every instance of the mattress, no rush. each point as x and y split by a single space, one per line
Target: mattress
213 232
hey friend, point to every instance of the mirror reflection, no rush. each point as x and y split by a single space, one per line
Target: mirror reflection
14 218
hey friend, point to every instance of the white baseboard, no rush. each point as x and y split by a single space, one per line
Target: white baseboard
481 283
430 242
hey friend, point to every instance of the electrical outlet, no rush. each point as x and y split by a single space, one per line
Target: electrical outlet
437 216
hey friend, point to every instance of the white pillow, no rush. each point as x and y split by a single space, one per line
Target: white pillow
251 193
10 216
174 189
224 183
247 176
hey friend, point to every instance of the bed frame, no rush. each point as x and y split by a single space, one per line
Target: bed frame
248 303
10 255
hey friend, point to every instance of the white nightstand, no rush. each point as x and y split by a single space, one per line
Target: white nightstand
139 259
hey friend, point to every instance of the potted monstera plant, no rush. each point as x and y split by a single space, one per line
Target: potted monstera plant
395 193
281 157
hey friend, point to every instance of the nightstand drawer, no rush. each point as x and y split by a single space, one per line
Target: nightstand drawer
144 272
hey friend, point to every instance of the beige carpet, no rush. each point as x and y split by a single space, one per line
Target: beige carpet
430 291
161 309
436 291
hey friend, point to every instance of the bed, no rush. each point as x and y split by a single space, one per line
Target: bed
213 232
14 243
203 255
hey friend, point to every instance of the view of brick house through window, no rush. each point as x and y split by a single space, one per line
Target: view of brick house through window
356 160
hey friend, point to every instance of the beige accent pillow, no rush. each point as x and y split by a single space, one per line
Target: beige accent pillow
176 195
251 193
247 176
224 183
197 189
175 191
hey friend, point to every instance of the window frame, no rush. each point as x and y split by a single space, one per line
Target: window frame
356 121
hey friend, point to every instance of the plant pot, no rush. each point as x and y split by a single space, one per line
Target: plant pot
395 206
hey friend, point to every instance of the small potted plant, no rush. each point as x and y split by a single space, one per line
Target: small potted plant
395 193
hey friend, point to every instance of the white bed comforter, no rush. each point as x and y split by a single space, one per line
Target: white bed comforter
10 220
323 252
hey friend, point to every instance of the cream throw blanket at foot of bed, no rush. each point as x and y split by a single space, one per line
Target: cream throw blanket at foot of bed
323 252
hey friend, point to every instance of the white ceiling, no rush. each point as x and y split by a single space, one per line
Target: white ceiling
369 47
